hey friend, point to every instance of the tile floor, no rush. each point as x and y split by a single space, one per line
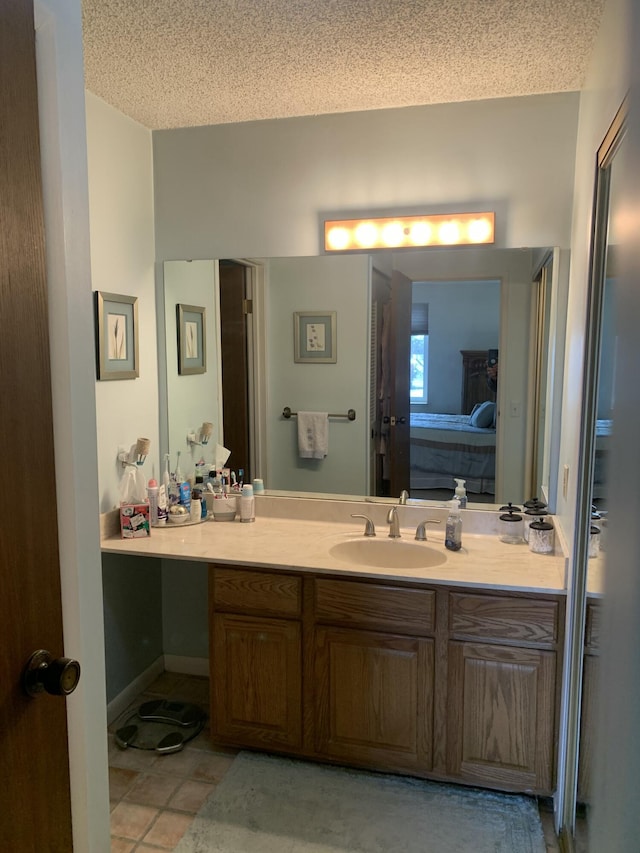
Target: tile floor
155 797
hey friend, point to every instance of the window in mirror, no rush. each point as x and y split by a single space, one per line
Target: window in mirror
419 383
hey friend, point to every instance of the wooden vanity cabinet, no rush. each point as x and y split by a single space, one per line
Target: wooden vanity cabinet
256 658
502 691
443 683
374 674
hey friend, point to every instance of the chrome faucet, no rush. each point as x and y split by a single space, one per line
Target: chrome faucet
394 523
369 529
404 497
421 535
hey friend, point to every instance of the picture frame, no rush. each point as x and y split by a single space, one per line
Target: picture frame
117 347
192 339
314 336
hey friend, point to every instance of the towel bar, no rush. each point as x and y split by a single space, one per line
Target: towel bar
351 414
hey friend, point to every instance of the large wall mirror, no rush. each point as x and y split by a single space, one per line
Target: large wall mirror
413 333
598 424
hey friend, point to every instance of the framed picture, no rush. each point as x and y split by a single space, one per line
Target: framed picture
116 336
192 340
314 336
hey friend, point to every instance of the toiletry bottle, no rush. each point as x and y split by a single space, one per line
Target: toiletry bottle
247 505
461 493
453 532
196 506
152 495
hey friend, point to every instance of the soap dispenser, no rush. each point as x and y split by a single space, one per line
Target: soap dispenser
453 531
460 493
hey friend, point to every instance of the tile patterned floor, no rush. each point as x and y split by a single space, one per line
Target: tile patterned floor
154 798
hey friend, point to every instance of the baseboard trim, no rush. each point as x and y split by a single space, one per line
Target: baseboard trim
122 701
186 665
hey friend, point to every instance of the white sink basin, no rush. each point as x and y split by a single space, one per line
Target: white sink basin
388 553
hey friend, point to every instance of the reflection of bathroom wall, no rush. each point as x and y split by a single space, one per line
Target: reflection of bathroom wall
318 284
463 315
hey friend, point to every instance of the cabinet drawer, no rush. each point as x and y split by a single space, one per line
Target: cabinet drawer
525 620
410 611
246 591
592 629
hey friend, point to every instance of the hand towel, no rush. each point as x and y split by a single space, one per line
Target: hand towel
313 435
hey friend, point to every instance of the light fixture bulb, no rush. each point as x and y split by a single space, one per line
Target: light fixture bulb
366 235
420 233
449 232
479 230
338 239
393 234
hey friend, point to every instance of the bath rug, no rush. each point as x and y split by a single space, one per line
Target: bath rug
268 804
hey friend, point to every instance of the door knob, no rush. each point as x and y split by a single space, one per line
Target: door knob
401 420
43 673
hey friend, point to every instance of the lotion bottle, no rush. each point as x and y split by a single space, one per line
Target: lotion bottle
247 505
453 532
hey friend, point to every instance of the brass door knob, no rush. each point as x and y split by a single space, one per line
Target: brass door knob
44 674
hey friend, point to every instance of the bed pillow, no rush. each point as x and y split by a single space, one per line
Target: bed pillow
482 415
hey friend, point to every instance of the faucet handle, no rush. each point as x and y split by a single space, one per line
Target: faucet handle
421 535
369 529
404 497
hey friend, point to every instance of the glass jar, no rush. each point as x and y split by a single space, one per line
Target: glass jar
510 526
541 535
531 515
534 503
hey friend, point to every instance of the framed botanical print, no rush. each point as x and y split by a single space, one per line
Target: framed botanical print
116 336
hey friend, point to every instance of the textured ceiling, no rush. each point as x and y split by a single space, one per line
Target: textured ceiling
177 63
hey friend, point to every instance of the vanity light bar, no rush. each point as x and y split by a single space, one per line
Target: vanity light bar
402 232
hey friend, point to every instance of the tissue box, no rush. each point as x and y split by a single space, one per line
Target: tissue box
134 521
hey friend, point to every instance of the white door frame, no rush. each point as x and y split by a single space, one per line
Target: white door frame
59 61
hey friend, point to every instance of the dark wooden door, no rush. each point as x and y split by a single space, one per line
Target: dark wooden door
36 810
235 364
400 355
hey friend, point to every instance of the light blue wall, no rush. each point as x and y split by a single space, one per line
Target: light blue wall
337 284
261 189
132 591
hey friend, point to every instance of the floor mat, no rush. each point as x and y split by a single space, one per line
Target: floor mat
267 804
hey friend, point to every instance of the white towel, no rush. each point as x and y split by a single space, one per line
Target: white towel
313 435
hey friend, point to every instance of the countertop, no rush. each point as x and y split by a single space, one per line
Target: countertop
302 544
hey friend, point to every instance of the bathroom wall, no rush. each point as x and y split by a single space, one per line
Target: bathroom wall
260 189
122 261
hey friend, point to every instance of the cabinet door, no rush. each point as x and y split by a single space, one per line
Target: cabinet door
374 698
256 681
501 716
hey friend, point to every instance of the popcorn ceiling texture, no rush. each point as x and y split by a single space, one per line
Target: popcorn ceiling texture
182 63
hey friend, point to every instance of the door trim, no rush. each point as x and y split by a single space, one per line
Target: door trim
66 214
